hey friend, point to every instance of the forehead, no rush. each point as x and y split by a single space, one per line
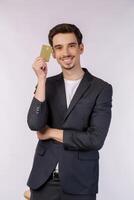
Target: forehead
64 38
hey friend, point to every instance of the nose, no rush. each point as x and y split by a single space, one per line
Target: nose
65 52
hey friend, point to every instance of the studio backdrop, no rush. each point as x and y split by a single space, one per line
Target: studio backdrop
108 30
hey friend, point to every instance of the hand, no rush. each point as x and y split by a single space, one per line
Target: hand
50 133
45 134
40 68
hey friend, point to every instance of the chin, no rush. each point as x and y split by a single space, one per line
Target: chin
68 67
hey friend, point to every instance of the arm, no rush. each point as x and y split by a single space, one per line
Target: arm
93 138
38 111
50 133
37 115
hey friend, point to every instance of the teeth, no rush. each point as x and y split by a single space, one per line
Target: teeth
67 60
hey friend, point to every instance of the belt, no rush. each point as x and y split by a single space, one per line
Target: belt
54 176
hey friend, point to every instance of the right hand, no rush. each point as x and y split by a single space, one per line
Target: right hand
40 68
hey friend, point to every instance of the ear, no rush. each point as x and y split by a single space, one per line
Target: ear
81 48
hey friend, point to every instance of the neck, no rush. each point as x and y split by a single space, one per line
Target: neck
73 74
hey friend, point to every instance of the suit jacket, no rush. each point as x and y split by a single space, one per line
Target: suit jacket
85 124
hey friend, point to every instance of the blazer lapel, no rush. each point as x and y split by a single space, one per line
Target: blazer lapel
84 84
61 94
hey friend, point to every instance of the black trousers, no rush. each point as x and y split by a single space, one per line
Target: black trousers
51 190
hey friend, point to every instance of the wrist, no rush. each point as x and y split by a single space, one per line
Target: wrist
54 133
41 81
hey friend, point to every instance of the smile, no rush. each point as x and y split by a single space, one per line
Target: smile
67 60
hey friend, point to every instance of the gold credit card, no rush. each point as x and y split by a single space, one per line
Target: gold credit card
46 51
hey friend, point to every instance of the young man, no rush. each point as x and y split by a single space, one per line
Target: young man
71 113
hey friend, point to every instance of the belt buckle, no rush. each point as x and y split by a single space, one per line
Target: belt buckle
55 175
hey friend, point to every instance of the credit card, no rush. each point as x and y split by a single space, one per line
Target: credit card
45 52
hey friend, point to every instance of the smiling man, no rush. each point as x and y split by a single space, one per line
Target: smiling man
71 113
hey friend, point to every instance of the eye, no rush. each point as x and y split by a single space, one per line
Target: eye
58 48
72 45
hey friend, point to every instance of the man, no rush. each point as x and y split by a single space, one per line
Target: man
71 113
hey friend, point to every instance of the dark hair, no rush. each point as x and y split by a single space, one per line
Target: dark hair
65 28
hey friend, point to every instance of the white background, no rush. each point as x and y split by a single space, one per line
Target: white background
108 30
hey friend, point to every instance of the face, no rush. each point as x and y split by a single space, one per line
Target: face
66 50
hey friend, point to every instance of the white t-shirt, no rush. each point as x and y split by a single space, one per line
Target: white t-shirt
70 88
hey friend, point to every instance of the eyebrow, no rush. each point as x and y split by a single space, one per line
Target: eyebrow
59 45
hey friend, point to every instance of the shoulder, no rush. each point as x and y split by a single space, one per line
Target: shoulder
53 78
103 89
100 83
96 82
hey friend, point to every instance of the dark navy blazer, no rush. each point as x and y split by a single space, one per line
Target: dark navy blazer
85 124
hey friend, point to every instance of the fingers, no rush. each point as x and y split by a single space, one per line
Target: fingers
39 63
40 67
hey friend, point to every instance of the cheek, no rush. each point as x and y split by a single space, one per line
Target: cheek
76 53
57 55
58 60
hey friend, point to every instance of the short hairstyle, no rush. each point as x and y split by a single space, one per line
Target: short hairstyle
65 28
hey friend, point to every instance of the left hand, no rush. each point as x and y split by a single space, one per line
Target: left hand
50 133
45 134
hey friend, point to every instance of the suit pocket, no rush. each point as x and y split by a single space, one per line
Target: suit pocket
88 155
40 150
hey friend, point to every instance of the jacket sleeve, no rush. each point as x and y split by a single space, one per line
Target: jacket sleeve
93 138
37 115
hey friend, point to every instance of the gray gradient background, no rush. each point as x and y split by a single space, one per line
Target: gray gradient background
108 29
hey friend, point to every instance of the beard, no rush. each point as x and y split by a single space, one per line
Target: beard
68 67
